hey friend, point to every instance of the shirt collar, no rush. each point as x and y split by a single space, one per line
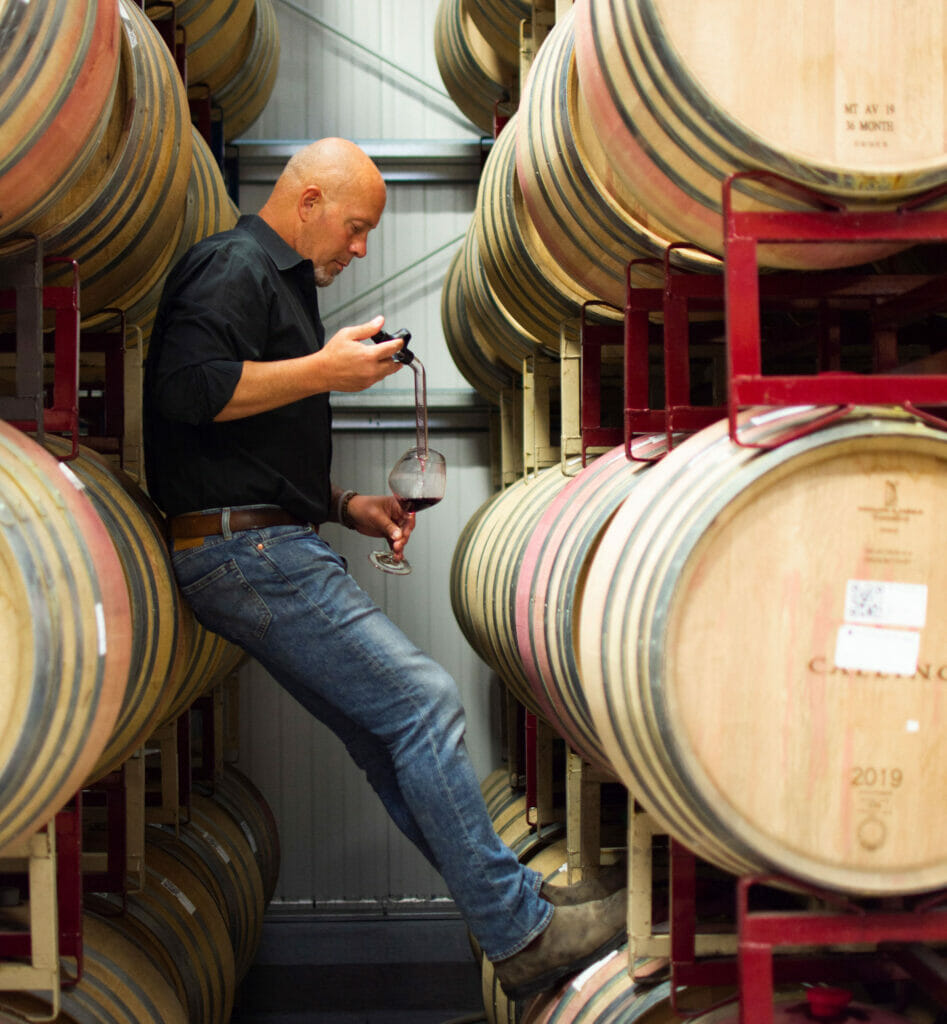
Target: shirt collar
281 253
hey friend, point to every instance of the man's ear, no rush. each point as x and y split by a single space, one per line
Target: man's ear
310 200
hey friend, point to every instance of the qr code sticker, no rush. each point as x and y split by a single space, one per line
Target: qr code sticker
883 603
864 601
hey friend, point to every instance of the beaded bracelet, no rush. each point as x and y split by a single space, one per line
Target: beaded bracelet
342 509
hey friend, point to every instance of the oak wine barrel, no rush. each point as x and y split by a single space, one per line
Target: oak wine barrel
58 72
499 332
245 910
119 982
483 573
499 797
528 280
682 93
208 209
591 223
607 992
476 78
248 81
214 30
477 363
760 648
499 23
176 920
121 219
236 794
67 628
211 845
551 573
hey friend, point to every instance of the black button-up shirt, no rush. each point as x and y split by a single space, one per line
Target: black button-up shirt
241 295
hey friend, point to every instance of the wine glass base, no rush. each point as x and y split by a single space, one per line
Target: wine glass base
385 561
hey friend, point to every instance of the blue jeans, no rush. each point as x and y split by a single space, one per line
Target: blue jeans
285 596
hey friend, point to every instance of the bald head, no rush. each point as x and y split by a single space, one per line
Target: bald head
329 189
330 163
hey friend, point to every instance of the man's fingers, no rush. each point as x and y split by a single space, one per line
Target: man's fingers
387 349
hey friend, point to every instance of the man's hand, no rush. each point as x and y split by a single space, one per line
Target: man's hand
381 515
354 366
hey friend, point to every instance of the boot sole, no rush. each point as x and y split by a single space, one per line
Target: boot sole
547 980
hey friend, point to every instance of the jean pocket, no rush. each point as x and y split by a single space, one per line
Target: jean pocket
224 601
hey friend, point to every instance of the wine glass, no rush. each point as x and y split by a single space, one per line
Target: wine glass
417 480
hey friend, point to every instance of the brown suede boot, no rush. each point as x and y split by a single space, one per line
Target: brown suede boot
609 879
576 937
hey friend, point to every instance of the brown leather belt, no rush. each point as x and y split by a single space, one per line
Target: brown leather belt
210 524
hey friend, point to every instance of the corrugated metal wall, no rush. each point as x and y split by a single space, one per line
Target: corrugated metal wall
339 848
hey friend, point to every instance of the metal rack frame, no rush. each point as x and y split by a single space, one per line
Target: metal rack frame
829 221
50 860
890 300
29 297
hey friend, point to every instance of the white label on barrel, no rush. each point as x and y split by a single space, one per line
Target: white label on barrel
886 604
100 626
249 835
71 477
166 883
212 842
874 649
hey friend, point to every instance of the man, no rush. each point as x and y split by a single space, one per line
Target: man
238 454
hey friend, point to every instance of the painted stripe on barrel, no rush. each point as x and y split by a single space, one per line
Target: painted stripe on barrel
472 72
550 584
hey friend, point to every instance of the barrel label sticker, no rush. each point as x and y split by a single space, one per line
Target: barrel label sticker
886 604
71 477
874 649
166 883
212 843
100 627
249 835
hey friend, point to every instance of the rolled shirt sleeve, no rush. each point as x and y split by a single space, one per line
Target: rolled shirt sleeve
210 325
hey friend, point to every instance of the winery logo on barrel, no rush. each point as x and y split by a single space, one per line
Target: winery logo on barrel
889 512
820 665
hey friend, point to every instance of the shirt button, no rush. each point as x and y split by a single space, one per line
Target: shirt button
259 547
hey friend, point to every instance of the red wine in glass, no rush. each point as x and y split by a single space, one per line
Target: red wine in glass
417 504
417 480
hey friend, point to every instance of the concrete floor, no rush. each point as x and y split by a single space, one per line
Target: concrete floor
361 971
